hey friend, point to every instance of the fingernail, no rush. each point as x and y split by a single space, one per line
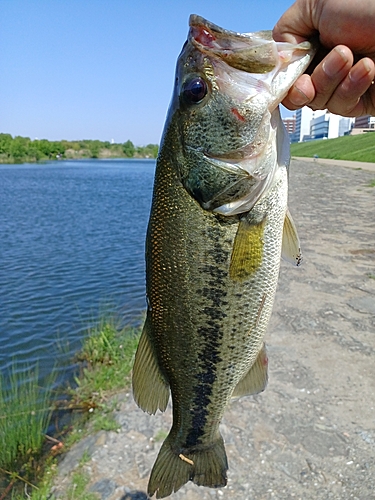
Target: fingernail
360 71
335 62
297 97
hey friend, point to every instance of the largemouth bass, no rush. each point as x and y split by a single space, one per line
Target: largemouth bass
214 243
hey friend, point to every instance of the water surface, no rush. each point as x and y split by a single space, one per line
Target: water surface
71 244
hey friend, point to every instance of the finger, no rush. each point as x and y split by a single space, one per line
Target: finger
301 93
295 25
350 99
329 74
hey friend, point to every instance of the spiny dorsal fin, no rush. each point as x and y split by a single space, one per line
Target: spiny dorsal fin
150 389
256 378
291 248
247 250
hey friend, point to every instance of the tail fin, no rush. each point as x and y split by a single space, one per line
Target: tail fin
205 467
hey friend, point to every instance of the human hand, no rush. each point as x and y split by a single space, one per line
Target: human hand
342 80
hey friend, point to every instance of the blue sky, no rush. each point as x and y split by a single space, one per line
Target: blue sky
102 69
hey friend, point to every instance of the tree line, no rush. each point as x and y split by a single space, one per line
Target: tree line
22 149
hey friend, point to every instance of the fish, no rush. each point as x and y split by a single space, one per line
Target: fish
218 225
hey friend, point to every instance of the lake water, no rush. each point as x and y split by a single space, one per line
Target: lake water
71 246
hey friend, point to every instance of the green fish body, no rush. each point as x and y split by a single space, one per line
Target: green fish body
214 242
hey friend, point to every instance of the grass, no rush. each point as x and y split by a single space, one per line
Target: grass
356 148
42 491
79 483
106 359
371 184
25 410
77 489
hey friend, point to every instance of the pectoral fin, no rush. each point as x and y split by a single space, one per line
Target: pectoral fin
150 389
247 250
256 378
291 249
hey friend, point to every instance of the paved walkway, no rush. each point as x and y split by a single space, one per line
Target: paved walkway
342 163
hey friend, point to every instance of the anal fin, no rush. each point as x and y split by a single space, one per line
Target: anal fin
255 380
150 389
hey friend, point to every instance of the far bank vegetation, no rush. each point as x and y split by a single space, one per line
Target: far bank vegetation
22 149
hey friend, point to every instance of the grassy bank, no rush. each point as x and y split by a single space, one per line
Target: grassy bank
25 412
352 147
27 456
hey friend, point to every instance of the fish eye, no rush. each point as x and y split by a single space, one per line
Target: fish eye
194 90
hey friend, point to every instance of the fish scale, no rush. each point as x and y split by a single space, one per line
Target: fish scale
212 266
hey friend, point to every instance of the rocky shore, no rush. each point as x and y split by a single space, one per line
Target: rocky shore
311 434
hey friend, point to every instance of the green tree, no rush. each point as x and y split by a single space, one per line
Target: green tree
150 151
5 144
19 147
128 149
33 152
94 147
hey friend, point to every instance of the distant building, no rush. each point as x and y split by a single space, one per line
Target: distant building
303 117
290 124
321 124
362 124
319 127
345 126
329 126
366 121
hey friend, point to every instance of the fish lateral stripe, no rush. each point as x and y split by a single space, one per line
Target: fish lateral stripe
210 333
247 251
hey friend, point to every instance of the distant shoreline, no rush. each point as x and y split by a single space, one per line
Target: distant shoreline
19 150
57 160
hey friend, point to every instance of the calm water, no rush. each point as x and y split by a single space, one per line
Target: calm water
71 244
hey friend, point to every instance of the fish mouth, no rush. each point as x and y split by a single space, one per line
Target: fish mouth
238 50
255 53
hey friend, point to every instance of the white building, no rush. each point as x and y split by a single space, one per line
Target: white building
303 118
345 125
329 126
321 124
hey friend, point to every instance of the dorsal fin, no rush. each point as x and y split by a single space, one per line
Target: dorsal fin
291 248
